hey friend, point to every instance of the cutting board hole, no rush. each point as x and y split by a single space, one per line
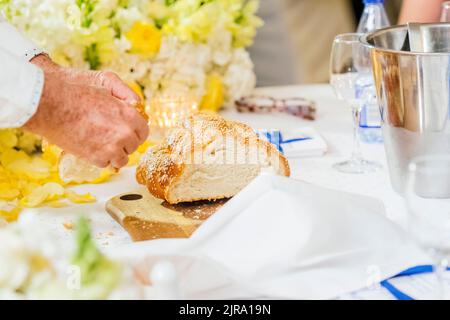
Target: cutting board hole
131 197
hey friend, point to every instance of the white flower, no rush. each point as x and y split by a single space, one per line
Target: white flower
28 256
126 17
220 42
239 77
13 260
179 68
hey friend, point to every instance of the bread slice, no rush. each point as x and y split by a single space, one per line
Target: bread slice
207 158
75 170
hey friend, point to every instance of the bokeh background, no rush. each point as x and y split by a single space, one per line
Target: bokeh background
294 44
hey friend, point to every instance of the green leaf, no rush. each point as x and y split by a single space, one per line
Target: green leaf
99 275
92 56
86 8
159 23
170 2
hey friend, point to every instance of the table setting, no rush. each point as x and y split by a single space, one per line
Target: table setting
337 191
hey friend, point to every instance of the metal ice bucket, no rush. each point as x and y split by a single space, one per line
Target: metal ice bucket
413 94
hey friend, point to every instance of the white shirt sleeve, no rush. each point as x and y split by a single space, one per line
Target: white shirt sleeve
21 85
15 42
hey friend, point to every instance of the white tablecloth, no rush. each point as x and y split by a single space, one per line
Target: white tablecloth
333 122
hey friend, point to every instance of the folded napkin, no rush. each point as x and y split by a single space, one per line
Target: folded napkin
280 239
305 142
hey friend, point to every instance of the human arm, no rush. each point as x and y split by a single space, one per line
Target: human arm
420 11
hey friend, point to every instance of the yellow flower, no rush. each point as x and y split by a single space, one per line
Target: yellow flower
136 156
136 88
50 153
79 198
28 142
100 46
8 139
61 58
158 10
18 138
213 99
33 180
104 175
48 192
24 166
9 211
145 39
8 192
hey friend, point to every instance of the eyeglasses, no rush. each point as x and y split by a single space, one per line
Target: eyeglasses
299 107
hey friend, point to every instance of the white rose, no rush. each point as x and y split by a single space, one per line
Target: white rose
13 260
239 78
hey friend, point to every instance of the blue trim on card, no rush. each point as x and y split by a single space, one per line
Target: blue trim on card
395 292
276 138
399 295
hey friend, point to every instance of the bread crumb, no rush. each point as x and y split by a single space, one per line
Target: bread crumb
68 225
102 235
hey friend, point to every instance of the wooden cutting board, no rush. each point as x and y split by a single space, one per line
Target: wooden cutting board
145 217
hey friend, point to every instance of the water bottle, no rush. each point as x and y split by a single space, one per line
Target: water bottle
370 116
374 17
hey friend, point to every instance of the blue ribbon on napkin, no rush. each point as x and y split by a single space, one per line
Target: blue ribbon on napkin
399 295
276 138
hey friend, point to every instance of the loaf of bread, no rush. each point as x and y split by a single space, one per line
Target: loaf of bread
207 158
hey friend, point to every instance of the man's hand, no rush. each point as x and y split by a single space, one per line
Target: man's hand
103 79
91 117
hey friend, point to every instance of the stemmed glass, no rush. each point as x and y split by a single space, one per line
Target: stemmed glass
350 63
445 16
427 196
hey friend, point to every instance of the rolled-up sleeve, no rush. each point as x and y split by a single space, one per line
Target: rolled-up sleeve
16 43
21 85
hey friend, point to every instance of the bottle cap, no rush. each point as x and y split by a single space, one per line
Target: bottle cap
373 1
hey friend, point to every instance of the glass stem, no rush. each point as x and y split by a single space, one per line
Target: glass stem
356 155
440 267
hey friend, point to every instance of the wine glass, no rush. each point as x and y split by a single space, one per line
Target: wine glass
427 197
445 16
350 63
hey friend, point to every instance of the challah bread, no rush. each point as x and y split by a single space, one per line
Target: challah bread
207 158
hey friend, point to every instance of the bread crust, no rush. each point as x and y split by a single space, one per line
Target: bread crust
157 170
163 165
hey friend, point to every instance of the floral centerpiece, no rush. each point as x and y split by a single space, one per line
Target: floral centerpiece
194 48
160 47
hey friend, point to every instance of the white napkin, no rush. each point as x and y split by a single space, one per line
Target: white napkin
285 239
299 143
